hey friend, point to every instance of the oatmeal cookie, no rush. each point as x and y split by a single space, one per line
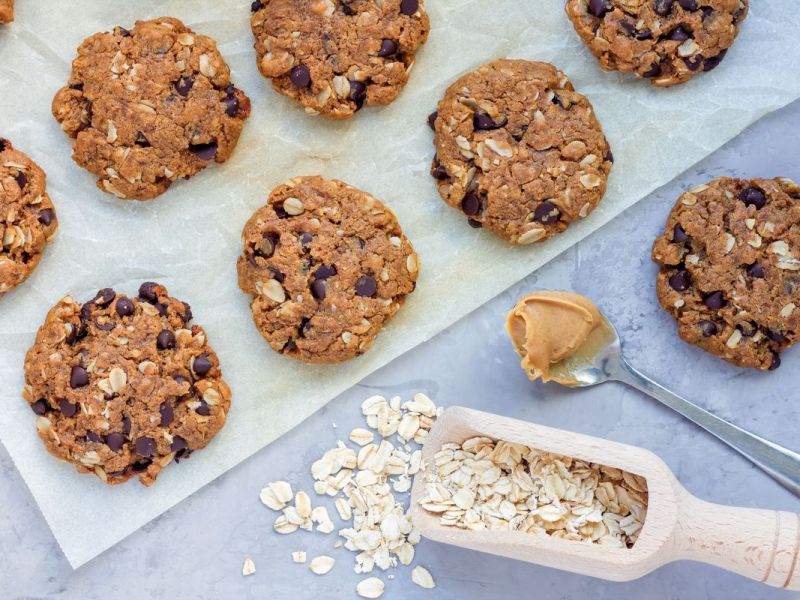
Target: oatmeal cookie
334 56
665 41
124 386
6 11
27 217
730 268
327 266
518 150
149 105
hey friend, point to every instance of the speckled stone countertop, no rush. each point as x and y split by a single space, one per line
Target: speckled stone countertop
196 550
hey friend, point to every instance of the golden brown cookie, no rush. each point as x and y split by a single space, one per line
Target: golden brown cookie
334 56
730 268
518 150
665 41
27 217
327 266
6 11
149 106
124 386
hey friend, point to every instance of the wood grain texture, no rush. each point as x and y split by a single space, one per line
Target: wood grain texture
759 544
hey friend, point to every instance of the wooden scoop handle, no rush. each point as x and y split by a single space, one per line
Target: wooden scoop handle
760 544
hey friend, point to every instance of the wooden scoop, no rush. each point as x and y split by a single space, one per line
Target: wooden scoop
759 544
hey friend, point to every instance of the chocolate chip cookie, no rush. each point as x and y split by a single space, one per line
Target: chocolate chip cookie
6 11
518 150
327 266
27 217
334 56
665 41
730 268
149 105
124 386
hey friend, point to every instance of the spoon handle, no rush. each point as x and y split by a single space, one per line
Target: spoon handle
780 463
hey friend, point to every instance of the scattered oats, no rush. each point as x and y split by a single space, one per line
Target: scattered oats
321 564
371 587
302 504
362 437
299 556
249 567
276 495
422 577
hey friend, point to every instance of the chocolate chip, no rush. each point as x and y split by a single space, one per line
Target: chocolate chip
546 213
178 444
92 437
46 217
325 271
145 446
22 180
653 71
105 296
103 323
438 171
775 336
680 281
409 7
147 292
161 307
187 313
714 300
256 6
662 7
184 85
748 329
471 205
679 34
693 63
165 340
776 361
319 289
474 223
631 30
40 406
73 86
366 286
388 47
3 143
204 151
432 119
202 365
305 327
753 196
115 441
609 157
679 235
599 8
711 63
126 424
347 10
276 274
483 122
756 271
300 76
68 409
123 32
124 307
78 377
231 106
305 241
357 89
203 410
707 328
690 5
558 101
141 465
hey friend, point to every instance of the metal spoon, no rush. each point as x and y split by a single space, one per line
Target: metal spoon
604 361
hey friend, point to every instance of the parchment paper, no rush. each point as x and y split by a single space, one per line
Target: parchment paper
189 239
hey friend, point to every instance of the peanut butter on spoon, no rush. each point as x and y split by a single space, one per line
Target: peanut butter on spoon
550 327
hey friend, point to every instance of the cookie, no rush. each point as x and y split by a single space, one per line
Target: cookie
665 41
149 106
124 386
27 217
327 266
730 268
334 56
518 150
6 11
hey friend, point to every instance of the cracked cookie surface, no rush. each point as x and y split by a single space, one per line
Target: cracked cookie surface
6 11
27 217
334 56
730 268
124 386
149 105
327 266
665 41
518 150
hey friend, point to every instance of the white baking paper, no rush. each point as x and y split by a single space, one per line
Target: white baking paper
189 238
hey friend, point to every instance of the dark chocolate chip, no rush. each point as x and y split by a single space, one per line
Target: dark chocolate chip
753 196
679 235
690 5
347 10
147 292
231 106
708 328
178 444
546 213
167 414
714 300
141 465
653 71
609 157
68 409
388 47
518 134
103 323
325 271
266 247
756 271
92 437
202 365
305 327
165 340
679 34
204 151
187 313
680 281
123 32
471 205
184 85
409 7
357 89
104 296
319 289
776 361
115 441
474 223
305 241
46 217
432 119
73 86
22 180
300 76
599 8
3 143
256 6
366 286
203 410
775 336
276 274
124 307
693 62
711 63
662 7
483 122
145 446
78 377
126 424
40 406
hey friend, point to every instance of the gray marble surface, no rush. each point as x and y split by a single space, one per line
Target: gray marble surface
196 550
